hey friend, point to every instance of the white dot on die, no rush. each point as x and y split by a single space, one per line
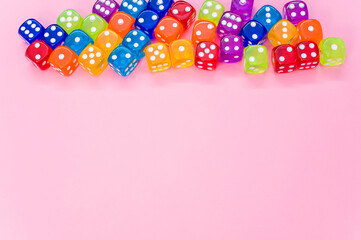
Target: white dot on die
152 58
175 11
285 35
303 13
334 47
77 39
92 61
302 46
201 54
37 45
198 33
37 57
282 58
289 49
175 25
120 21
211 56
181 49
162 55
52 40
214 14
303 55
260 50
313 54
210 26
61 56
213 47
162 28
203 45
312 45
254 36
252 59
253 24
93 29
284 23
108 45
311 28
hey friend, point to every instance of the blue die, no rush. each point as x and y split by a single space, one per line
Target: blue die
253 33
123 61
147 21
77 40
268 16
136 40
133 7
54 36
161 7
31 30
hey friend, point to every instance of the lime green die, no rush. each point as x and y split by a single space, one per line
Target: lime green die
255 59
70 20
332 51
93 25
211 11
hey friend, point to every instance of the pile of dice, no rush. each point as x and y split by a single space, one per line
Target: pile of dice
121 35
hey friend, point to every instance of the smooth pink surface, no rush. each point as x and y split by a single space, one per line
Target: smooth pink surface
183 155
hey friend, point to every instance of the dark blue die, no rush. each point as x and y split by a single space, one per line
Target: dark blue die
253 33
54 36
147 21
31 30
268 16
123 61
136 40
161 7
77 40
133 7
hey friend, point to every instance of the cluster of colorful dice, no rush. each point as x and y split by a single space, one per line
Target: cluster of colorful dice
120 36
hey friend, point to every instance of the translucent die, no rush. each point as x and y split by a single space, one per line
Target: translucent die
77 40
268 16
308 55
283 32
212 11
93 60
295 11
38 53
168 30
31 30
70 20
310 30
332 51
107 41
284 58
181 52
207 56
203 31
243 8
64 60
123 61
255 59
93 25
184 12
231 49
105 8
121 23
158 57
230 23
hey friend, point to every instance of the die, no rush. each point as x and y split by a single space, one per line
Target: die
147 21
231 49
69 20
77 40
332 51
31 30
230 23
105 8
308 55
168 30
107 41
268 16
64 60
93 60
123 61
207 56
38 53
203 31
161 7
121 23
158 57
284 58
253 33
181 52
255 59
184 12
310 30
243 8
93 25
295 11
136 41
54 36
212 11
133 7
283 32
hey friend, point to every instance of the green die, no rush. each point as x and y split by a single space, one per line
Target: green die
255 59
93 25
332 51
211 11
69 20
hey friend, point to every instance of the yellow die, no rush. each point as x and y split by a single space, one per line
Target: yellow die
93 60
182 54
107 41
157 56
283 32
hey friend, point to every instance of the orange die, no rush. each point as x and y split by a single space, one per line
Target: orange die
64 60
158 57
203 31
107 41
283 32
168 30
93 60
181 52
310 30
121 23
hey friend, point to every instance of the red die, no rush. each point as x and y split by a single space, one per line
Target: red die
184 12
284 58
38 53
207 56
308 55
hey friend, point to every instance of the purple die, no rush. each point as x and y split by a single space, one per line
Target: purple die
295 11
230 23
105 8
243 8
231 49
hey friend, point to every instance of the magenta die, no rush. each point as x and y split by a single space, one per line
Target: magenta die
105 8
295 12
243 8
230 23
231 49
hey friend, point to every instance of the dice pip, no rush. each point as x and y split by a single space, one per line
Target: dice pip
38 53
31 30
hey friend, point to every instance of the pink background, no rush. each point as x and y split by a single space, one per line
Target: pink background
185 154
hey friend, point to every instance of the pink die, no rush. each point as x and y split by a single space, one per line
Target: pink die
105 8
